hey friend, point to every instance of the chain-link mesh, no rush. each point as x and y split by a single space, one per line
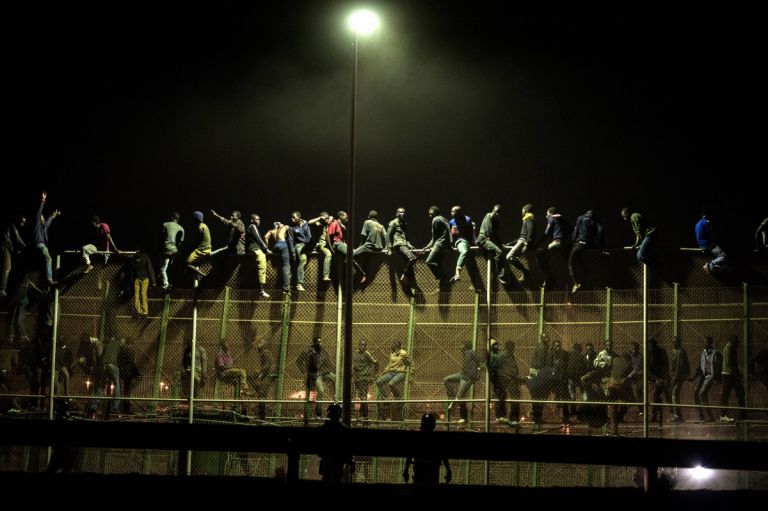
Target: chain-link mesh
114 362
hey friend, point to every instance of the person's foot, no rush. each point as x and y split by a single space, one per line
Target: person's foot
300 287
575 287
503 280
326 278
263 294
52 282
88 267
363 278
706 268
2 292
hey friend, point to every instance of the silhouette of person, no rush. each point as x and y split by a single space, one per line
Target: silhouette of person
336 466
426 467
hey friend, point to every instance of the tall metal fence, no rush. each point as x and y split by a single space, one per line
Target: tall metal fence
88 341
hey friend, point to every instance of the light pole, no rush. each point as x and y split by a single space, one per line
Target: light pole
362 22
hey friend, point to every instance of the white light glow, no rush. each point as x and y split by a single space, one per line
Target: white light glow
699 473
363 22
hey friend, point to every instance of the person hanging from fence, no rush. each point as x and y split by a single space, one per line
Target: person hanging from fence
618 387
264 378
336 464
173 237
42 225
228 373
708 243
12 245
658 376
489 239
19 301
426 467
761 237
143 277
458 384
363 370
129 372
105 373
102 242
393 379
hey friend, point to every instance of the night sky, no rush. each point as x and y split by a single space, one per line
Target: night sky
134 111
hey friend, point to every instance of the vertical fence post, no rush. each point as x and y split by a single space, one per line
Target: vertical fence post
745 342
193 370
338 389
488 283
160 356
645 351
675 309
284 330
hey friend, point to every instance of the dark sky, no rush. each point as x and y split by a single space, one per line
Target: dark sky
133 111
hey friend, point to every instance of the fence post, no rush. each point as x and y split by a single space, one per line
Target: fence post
284 329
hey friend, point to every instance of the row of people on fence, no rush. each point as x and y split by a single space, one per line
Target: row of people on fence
327 235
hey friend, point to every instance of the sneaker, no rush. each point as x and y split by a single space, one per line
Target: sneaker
503 280
450 405
88 268
326 278
725 418
300 287
263 294
706 267
2 292
500 420
514 423
461 421
52 282
575 287
363 278
455 278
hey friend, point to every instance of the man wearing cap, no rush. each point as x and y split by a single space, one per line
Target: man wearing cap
203 249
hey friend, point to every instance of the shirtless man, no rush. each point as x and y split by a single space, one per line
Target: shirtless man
281 242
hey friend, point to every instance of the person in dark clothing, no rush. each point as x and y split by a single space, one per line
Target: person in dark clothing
129 371
426 468
302 237
526 240
463 233
337 238
41 236
173 237
504 375
19 302
143 276
458 384
709 369
658 376
236 237
732 379
587 233
397 236
363 370
761 237
318 369
644 235
679 371
264 377
557 232
336 465
707 242
62 456
489 239
254 244
12 245
440 243
374 238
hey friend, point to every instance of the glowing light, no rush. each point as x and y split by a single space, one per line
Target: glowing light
699 473
363 22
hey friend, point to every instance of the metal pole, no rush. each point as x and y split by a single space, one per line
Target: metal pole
350 239
193 370
645 352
